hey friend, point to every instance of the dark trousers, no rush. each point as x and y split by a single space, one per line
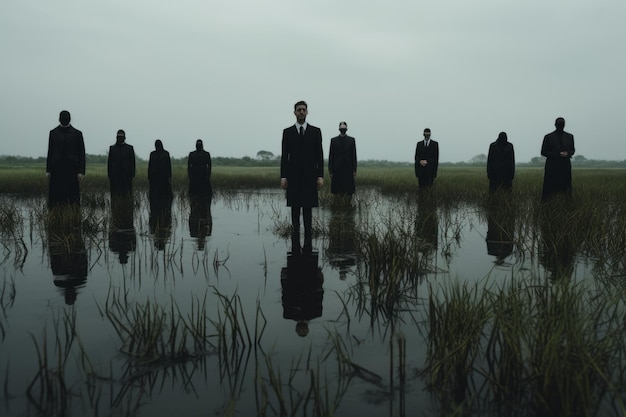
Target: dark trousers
307 219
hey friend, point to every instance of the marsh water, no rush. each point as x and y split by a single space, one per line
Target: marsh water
244 326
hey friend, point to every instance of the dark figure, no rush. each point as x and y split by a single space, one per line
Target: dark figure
68 255
121 166
427 226
501 164
558 248
65 165
303 294
160 172
160 220
426 160
500 229
302 174
200 220
342 239
122 234
199 172
558 148
342 162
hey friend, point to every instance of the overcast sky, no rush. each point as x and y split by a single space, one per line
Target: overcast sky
229 72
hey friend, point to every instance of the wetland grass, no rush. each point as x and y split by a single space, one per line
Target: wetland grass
52 390
152 333
541 343
14 249
526 348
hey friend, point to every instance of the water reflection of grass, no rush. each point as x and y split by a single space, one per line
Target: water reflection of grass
543 342
161 343
526 347
549 345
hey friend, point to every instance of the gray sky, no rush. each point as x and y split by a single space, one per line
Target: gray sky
229 72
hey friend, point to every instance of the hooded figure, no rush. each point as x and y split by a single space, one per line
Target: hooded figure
501 164
121 166
65 164
160 172
199 172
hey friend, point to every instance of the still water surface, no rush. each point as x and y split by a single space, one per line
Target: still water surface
237 253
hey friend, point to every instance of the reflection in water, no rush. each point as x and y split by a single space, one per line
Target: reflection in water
387 299
558 247
301 282
200 219
122 234
427 226
500 231
342 241
160 218
68 256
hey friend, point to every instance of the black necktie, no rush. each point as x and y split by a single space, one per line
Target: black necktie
301 130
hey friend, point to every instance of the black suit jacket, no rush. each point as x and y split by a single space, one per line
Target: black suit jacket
302 156
301 163
431 154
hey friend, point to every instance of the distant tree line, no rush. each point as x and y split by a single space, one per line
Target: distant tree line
268 159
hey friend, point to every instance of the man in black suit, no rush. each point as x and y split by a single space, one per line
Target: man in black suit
65 164
342 162
121 166
558 148
426 160
302 173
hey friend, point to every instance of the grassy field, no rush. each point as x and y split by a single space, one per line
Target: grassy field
459 183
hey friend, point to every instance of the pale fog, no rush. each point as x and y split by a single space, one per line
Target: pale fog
230 72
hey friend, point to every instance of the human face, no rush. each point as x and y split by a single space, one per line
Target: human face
426 134
301 113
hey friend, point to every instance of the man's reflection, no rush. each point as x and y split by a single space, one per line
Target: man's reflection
122 234
160 220
68 256
427 224
342 240
301 282
558 247
200 219
500 230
